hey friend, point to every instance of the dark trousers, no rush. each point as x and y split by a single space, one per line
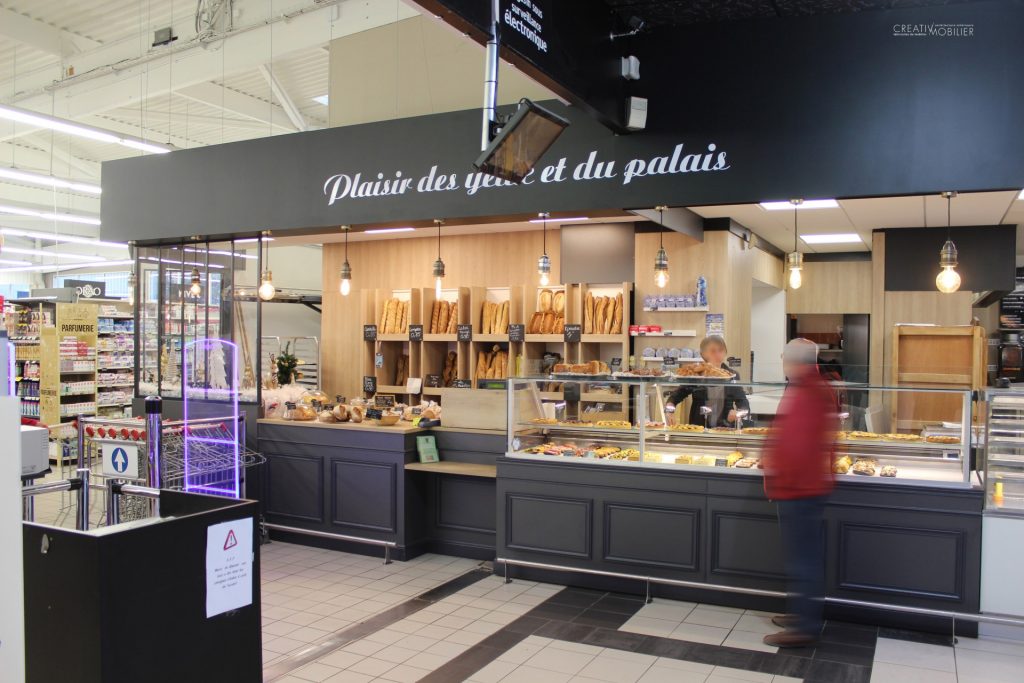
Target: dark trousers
803 542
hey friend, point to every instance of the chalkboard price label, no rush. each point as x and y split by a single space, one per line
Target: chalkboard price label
572 332
517 332
369 332
734 362
374 413
415 332
669 362
384 400
370 384
462 384
434 381
615 364
464 333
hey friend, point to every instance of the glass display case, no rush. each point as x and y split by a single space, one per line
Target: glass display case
1004 450
719 425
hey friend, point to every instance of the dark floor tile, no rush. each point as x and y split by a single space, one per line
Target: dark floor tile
836 632
801 652
526 624
620 604
463 666
725 656
595 617
782 665
916 636
564 630
617 640
852 625
847 654
821 671
504 639
550 610
665 647
577 597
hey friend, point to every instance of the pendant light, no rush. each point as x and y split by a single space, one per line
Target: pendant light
544 262
346 269
948 280
661 259
267 289
795 260
438 264
197 288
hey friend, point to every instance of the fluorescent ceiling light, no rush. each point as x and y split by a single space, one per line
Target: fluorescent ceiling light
220 253
381 231
64 217
254 239
836 238
322 99
51 254
53 237
807 204
67 266
11 262
179 263
32 118
47 180
560 220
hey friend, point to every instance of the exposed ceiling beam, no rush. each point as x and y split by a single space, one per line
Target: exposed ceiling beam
62 156
37 160
237 103
42 36
283 98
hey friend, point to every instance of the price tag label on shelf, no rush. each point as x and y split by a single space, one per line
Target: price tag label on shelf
516 332
370 384
434 381
369 332
669 362
384 400
415 332
462 384
572 332
734 362
616 364
464 333
374 413
378 360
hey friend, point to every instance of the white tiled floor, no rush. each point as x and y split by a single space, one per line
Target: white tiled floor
711 624
541 660
971 661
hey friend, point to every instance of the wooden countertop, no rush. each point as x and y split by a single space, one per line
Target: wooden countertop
367 426
466 469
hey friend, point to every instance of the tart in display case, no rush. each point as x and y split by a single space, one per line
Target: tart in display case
874 442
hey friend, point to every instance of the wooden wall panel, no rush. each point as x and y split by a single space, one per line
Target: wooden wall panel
768 269
833 287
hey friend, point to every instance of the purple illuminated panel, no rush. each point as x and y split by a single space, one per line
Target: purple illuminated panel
211 441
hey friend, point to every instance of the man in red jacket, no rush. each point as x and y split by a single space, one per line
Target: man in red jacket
798 477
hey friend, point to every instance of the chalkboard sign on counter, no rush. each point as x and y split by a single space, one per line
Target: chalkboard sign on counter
464 333
374 413
462 384
384 400
369 332
370 384
616 364
572 332
415 332
434 381
517 332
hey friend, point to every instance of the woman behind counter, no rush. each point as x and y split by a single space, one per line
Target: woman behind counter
724 400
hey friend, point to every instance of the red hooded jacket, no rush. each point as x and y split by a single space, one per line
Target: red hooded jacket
798 453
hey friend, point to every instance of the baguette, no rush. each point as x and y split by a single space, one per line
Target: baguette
403 325
559 325
535 322
435 313
486 318
481 365
442 320
617 317
559 302
545 300
383 319
609 316
588 314
503 320
599 314
388 312
453 317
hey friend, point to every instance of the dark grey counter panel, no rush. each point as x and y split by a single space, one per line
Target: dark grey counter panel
897 544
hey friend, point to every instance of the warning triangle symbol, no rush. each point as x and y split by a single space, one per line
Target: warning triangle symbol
230 541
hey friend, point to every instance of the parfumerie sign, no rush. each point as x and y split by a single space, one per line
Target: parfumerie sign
366 185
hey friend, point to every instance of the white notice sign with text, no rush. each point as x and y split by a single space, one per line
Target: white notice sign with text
228 566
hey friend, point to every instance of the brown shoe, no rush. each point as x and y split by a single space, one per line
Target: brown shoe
789 639
787 621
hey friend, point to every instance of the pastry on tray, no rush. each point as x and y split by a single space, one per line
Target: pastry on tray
842 465
888 471
865 467
943 439
687 428
747 463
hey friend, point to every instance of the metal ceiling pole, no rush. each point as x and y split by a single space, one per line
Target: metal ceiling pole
491 78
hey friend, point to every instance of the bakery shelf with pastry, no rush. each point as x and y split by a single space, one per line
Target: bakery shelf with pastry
395 311
491 360
442 314
545 312
493 309
605 309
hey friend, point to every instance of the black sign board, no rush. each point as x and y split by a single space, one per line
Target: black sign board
462 384
734 362
384 400
374 413
370 384
572 332
516 332
464 333
615 364
369 332
88 289
1011 306
491 384
434 381
669 362
415 332
571 391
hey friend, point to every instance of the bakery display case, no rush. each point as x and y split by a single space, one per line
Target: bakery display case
1004 451
722 434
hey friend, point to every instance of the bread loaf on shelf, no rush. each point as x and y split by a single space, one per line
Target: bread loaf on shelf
545 300
453 317
435 313
402 370
502 327
536 323
549 323
617 317
588 314
442 318
558 302
451 364
487 318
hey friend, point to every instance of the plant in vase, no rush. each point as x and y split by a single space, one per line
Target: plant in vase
286 364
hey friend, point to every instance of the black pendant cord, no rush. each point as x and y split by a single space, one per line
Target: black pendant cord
346 245
545 234
438 240
661 229
796 228
949 217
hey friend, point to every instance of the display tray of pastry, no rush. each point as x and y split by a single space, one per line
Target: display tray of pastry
842 465
747 463
723 430
888 471
686 428
943 439
901 437
544 421
757 430
702 370
650 424
595 369
641 374
614 424
865 436
604 451
865 467
733 458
